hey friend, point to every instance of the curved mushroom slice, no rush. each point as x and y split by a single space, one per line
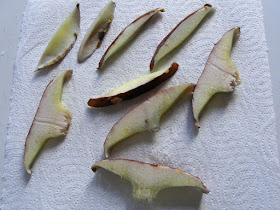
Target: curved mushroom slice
147 179
96 32
219 75
134 88
146 116
127 35
51 120
62 41
179 33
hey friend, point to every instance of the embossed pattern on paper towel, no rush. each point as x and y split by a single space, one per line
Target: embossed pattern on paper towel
234 152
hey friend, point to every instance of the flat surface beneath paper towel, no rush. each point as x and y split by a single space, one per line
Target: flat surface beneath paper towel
237 162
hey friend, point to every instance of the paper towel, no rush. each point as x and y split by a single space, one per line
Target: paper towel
234 152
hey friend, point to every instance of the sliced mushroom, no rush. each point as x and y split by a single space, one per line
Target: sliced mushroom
62 41
134 88
219 75
146 116
96 32
180 33
51 120
147 180
127 34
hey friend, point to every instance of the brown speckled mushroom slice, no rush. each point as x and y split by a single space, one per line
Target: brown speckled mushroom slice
96 32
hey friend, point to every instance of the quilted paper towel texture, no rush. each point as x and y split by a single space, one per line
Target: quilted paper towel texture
234 152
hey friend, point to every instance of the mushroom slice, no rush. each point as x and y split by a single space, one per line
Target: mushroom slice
51 120
134 88
219 75
96 32
179 33
146 116
62 41
147 179
127 35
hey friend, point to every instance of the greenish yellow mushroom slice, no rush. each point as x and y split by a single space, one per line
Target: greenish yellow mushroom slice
62 41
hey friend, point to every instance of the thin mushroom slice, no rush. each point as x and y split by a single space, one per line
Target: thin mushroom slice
134 88
180 33
51 120
219 75
62 41
147 179
127 35
146 116
96 32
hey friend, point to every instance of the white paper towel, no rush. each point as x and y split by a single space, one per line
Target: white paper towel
234 152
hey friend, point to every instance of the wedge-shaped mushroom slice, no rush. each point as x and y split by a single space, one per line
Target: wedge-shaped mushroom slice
146 116
62 41
179 33
219 75
96 32
147 180
127 35
134 88
51 120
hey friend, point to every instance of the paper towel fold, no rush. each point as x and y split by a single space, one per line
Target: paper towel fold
234 152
